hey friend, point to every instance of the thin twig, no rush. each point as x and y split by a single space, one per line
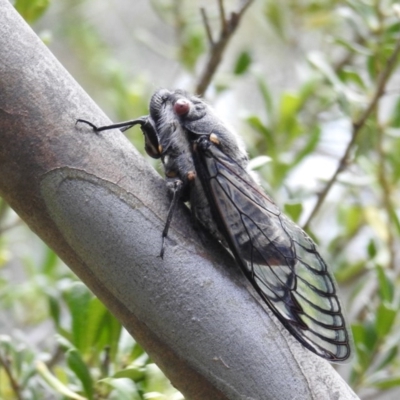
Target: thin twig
222 16
228 27
14 384
207 26
357 126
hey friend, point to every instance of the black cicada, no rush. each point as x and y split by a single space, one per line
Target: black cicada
205 164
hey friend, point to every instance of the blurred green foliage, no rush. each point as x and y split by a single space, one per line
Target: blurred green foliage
31 10
89 355
339 51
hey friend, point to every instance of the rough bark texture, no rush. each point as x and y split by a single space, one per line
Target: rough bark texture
96 202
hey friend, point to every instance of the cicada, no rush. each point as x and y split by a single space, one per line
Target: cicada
205 164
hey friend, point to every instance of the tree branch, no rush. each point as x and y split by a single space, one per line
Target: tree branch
99 205
357 127
217 48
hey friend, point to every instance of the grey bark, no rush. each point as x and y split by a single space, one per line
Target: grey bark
101 207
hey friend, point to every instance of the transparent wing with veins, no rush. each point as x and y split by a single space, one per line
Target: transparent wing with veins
278 257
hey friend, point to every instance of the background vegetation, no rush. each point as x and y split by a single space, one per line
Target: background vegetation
313 89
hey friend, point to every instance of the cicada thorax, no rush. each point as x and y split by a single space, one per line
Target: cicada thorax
176 158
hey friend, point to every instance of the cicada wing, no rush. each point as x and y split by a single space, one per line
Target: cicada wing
278 257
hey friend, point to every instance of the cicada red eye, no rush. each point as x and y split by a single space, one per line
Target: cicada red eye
181 107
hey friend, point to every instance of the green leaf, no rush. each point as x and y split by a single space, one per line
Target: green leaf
395 118
360 335
135 373
388 383
78 299
371 248
372 67
110 329
192 48
124 388
54 307
365 336
390 355
275 16
394 219
242 63
50 262
318 61
256 123
96 312
64 343
138 354
309 147
367 12
156 381
267 98
393 29
55 383
288 107
307 90
293 210
386 287
79 367
279 173
346 272
385 318
349 75
343 94
31 10
353 47
350 217
288 126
